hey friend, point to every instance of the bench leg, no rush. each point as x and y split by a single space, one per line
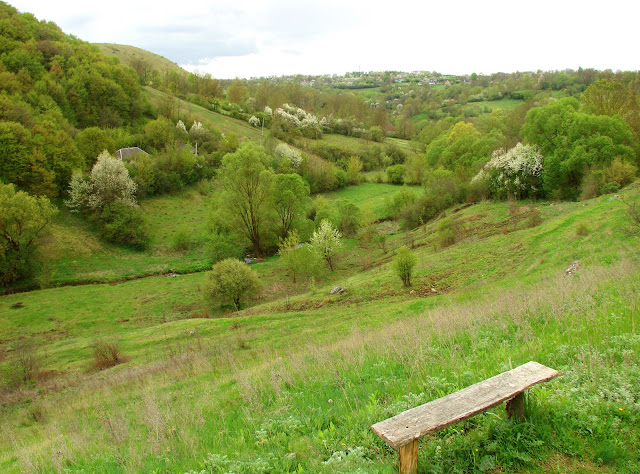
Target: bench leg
409 458
515 407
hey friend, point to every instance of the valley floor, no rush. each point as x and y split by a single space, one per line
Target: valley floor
293 383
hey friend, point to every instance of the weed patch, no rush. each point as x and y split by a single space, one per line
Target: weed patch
107 354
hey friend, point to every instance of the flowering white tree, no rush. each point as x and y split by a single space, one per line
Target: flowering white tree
517 171
181 126
295 117
109 182
326 241
254 121
291 154
268 111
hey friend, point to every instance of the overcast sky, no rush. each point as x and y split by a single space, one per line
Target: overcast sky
249 38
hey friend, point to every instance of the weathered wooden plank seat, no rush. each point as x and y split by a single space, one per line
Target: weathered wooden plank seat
403 431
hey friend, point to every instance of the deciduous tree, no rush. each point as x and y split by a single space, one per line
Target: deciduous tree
403 264
295 257
231 281
290 200
326 242
247 184
573 142
23 219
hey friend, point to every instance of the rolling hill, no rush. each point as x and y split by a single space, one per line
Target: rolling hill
137 57
293 383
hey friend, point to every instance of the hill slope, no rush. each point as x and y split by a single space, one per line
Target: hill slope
294 382
139 58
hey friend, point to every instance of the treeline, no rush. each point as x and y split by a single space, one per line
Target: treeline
566 150
400 109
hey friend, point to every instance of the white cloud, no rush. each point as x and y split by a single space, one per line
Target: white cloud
256 38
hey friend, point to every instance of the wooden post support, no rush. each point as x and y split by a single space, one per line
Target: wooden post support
515 407
409 458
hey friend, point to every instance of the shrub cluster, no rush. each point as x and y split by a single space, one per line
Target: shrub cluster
107 197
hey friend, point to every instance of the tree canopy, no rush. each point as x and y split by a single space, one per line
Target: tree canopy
243 203
290 200
23 219
573 141
231 281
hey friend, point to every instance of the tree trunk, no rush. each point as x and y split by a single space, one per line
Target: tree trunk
330 263
257 250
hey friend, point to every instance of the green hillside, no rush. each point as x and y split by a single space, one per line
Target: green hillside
223 123
139 58
294 382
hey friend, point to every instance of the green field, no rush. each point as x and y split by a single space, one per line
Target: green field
343 141
505 104
355 144
367 196
293 383
77 255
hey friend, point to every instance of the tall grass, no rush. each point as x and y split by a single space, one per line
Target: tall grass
295 382
215 408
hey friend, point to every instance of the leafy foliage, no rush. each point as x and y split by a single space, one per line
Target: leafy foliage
231 281
52 83
243 203
515 172
403 264
122 223
296 258
109 182
573 142
290 200
348 217
108 197
395 174
23 220
326 242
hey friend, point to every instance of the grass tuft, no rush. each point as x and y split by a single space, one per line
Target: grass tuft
107 354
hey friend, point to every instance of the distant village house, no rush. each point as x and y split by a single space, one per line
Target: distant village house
129 152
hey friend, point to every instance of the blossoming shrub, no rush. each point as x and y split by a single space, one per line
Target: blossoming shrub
108 198
326 241
290 119
514 172
291 155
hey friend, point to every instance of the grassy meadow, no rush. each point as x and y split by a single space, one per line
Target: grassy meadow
293 383
77 255
367 196
355 144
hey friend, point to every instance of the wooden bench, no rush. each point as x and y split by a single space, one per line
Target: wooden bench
403 431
